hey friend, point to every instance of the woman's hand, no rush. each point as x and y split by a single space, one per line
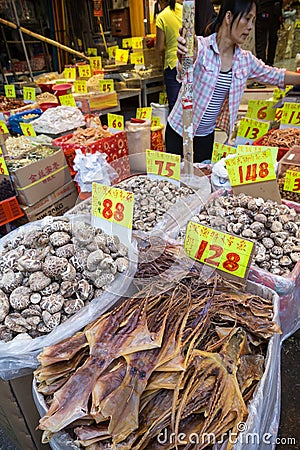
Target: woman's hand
182 49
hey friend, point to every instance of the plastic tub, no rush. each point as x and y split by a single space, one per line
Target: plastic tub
47 105
62 89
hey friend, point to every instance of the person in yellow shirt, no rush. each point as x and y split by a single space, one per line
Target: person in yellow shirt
168 23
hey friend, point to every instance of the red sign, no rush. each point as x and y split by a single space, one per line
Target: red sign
98 10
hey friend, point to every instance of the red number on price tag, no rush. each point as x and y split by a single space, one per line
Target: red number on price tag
168 168
2 169
108 213
295 120
230 263
261 113
251 172
253 134
278 115
297 184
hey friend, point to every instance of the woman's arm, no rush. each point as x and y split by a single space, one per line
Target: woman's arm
160 40
291 78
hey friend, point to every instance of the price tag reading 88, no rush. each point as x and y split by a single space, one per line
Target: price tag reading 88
3 167
292 181
106 85
249 130
85 71
112 204
28 93
261 110
80 87
27 129
163 164
291 114
115 121
3 127
10 91
223 251
251 168
144 113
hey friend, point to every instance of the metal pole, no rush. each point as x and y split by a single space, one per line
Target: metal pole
22 39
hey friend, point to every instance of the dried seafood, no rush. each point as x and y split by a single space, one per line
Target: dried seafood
176 361
286 137
49 272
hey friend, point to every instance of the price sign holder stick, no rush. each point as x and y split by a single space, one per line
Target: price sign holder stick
187 85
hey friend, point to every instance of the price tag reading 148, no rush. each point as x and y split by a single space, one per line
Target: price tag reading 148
223 251
163 164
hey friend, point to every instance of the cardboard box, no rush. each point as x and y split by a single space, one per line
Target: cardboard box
152 57
96 102
41 178
57 207
18 414
54 197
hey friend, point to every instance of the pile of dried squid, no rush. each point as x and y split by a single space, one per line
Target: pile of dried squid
182 358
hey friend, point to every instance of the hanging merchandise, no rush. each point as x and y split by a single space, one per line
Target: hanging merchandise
98 8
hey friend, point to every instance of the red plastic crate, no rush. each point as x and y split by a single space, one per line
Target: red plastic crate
10 210
281 150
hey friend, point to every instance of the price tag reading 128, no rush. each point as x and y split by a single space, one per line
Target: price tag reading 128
223 251
163 164
112 204
251 168
115 121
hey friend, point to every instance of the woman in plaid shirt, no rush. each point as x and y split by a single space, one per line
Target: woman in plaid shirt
221 70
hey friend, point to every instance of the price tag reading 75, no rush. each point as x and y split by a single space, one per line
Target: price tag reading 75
223 251
163 164
115 121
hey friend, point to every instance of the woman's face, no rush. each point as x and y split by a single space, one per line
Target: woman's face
241 27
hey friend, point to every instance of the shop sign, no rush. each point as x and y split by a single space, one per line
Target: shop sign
115 121
3 167
106 85
230 254
161 164
96 62
112 209
251 168
85 71
67 100
292 181
122 56
27 129
290 115
144 113
250 130
261 110
221 151
246 149
3 127
10 91
80 87
70 73
29 93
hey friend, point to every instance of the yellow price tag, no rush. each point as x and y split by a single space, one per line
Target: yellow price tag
91 51
292 181
115 121
288 87
10 91
137 58
291 114
144 113
137 42
163 99
80 87
112 51
70 73
214 248
3 167
261 110
3 127
278 94
155 121
85 71
27 129
122 56
28 93
127 43
221 151
67 100
249 130
297 23
106 85
112 204
278 114
96 63
252 168
246 149
163 164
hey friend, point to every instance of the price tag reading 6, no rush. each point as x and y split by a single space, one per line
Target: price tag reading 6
115 121
249 130
223 251
163 164
112 204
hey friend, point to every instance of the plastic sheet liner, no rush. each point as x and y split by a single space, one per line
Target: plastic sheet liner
263 410
19 357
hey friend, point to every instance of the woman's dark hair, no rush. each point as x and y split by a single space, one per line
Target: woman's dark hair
238 8
172 4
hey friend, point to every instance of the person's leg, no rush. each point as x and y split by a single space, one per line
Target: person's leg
173 141
273 38
261 34
203 147
172 86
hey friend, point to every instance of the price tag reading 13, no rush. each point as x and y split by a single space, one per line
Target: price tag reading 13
252 168
112 204
163 164
223 251
292 181
249 130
